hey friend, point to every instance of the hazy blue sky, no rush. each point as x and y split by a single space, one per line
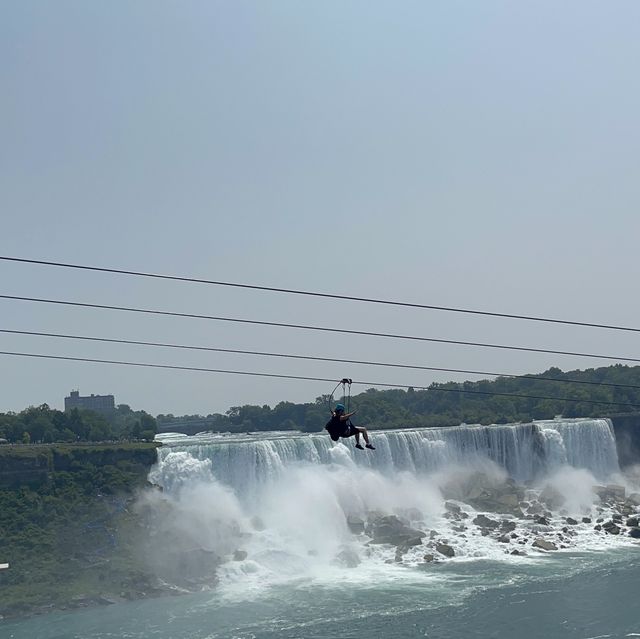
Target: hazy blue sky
477 154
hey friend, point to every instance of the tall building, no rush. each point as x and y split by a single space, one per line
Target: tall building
97 403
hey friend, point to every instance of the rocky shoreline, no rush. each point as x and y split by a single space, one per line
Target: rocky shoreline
519 519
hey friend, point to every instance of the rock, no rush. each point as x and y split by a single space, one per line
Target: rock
634 532
507 525
391 530
239 555
543 521
611 492
445 549
544 545
551 497
634 499
484 522
571 521
504 539
348 558
515 551
452 507
616 517
355 524
428 559
597 527
510 499
586 520
611 527
412 541
633 522
599 520
535 508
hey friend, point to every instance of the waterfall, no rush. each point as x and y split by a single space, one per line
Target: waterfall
524 451
288 502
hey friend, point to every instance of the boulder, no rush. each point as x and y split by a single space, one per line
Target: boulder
551 497
428 558
504 539
535 508
543 521
355 524
515 551
571 521
445 549
611 527
507 525
391 530
484 522
239 555
611 492
510 500
634 532
348 558
633 522
544 545
452 507
586 520
634 499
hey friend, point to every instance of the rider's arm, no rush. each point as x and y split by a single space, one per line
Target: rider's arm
345 417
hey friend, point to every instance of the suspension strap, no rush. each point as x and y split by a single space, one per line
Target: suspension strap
346 383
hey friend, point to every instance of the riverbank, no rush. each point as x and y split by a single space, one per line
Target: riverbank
68 527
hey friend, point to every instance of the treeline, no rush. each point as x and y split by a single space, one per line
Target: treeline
41 424
445 404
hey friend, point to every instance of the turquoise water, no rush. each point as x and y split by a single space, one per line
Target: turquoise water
577 596
284 500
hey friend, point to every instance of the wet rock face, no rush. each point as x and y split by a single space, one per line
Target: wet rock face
355 524
348 558
391 530
611 527
634 532
445 549
544 545
484 522
611 492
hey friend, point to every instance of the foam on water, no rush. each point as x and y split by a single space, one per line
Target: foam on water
285 499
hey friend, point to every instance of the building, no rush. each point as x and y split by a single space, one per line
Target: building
97 403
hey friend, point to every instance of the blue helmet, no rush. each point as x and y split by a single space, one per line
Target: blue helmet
339 407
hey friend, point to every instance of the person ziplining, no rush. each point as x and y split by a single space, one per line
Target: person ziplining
340 423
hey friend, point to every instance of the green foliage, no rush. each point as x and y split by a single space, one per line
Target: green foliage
41 424
65 513
443 404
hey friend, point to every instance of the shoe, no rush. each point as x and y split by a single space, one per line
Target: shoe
359 446
370 447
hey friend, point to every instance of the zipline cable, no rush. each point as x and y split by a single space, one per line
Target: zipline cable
317 328
340 360
314 379
353 298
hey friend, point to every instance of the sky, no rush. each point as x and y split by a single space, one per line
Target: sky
481 155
